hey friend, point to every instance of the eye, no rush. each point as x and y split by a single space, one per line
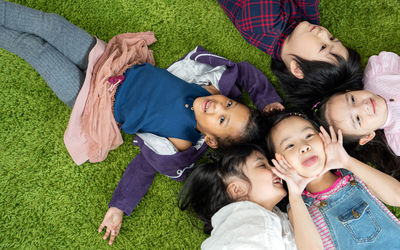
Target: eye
358 120
332 38
222 119
309 136
289 146
262 165
353 100
323 47
229 104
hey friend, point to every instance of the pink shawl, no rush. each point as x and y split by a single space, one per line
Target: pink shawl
92 130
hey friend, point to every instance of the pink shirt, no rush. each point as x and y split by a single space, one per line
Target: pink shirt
382 77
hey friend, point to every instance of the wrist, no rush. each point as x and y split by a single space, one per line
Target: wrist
295 198
350 163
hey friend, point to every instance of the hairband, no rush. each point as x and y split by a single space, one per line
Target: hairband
298 114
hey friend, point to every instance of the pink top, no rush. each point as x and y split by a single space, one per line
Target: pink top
92 130
382 77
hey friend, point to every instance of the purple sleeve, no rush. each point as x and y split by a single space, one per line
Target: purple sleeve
139 174
261 91
133 185
245 76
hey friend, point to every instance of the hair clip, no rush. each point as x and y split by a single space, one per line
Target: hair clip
315 107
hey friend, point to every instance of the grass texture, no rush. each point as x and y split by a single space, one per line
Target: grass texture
47 201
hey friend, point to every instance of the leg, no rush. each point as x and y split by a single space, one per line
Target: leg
62 76
71 41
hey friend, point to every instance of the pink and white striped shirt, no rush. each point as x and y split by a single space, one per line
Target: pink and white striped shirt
382 77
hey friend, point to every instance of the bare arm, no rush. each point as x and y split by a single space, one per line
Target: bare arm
383 186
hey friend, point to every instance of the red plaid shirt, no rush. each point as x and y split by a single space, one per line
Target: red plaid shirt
266 23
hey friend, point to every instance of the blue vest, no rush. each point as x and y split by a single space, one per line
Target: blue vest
153 100
356 221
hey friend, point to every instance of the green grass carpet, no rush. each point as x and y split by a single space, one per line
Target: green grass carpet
47 201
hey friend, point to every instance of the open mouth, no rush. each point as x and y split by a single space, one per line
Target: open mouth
310 161
206 105
373 103
277 180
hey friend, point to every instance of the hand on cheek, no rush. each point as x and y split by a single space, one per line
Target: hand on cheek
336 155
296 183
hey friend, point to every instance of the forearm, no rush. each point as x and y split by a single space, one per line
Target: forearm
305 232
383 186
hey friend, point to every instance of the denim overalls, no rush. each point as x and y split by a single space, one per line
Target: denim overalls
356 221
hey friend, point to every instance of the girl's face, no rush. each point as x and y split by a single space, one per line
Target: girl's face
266 188
356 113
219 116
297 140
313 42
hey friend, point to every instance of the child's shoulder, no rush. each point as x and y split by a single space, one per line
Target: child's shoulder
383 63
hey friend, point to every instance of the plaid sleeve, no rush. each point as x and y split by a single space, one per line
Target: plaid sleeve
309 10
256 20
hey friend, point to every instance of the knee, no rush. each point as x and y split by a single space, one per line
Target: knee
54 20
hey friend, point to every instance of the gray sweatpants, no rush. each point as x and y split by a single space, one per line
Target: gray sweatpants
54 47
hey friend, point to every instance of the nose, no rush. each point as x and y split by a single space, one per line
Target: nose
305 148
219 106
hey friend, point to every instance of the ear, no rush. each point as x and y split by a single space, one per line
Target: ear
296 70
237 189
211 141
365 139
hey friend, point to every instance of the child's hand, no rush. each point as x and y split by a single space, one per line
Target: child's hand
273 106
296 183
336 155
113 221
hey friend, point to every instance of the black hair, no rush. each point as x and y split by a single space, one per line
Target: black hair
322 81
275 118
204 192
377 153
251 134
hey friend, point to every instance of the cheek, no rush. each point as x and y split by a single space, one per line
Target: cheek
291 158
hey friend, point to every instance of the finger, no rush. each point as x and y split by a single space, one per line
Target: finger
106 234
112 237
278 166
278 157
322 137
326 135
333 134
101 227
279 174
340 135
286 163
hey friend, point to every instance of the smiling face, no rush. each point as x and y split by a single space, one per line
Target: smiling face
356 113
297 140
312 42
266 188
219 116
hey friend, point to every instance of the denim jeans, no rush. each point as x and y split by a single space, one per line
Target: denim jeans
54 47
356 221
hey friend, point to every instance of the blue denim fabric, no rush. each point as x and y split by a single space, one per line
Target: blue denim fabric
55 48
356 221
